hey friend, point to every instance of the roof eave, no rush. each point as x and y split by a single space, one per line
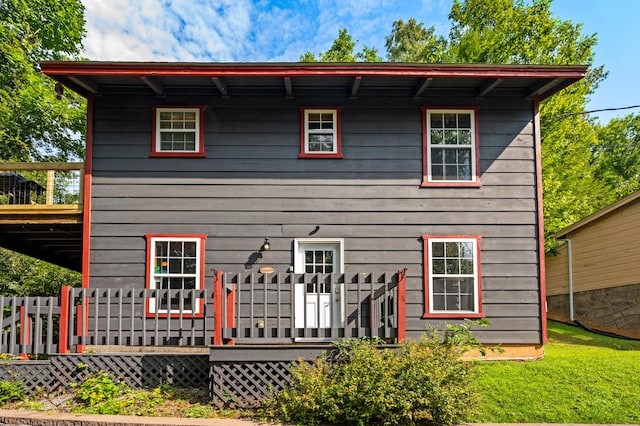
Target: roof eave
311 69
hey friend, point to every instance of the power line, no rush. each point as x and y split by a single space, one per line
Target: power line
597 110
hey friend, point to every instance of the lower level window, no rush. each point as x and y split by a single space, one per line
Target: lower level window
452 276
175 268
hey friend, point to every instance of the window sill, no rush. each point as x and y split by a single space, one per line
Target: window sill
185 315
306 155
450 184
177 154
454 315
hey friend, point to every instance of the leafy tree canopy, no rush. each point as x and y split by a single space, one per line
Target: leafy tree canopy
25 276
343 50
617 155
33 124
411 42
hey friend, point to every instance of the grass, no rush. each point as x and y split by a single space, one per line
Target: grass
583 378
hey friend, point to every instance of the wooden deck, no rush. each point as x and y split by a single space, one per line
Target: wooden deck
41 210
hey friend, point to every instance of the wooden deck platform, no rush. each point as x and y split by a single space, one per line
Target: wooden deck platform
41 211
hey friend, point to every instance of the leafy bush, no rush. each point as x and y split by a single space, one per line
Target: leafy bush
97 389
11 391
420 382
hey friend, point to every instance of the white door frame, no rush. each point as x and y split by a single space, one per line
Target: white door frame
334 301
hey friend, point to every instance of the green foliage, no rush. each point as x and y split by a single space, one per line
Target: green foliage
24 276
583 378
343 50
617 155
99 394
420 382
98 389
412 42
33 124
515 32
12 391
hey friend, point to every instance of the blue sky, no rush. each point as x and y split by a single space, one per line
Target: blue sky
282 30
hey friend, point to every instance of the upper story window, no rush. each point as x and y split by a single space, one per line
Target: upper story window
178 132
452 276
175 263
450 139
320 133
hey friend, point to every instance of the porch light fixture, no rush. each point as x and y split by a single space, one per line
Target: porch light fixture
266 246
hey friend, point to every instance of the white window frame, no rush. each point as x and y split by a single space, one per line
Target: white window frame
430 276
473 146
154 276
299 244
336 151
198 148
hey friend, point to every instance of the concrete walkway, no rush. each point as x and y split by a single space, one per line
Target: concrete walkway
50 418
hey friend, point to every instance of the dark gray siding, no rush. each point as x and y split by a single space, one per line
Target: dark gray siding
252 185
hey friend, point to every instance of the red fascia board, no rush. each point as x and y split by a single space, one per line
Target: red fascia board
300 70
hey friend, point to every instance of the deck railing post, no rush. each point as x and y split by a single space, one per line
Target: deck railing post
218 299
402 304
231 311
63 342
80 328
25 328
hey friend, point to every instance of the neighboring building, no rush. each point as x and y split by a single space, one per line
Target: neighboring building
595 277
192 168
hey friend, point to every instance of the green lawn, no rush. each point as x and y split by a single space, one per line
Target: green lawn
583 378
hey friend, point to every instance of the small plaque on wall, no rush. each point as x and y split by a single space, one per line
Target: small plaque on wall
267 270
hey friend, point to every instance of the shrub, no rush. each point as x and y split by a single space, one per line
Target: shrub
97 389
419 382
12 391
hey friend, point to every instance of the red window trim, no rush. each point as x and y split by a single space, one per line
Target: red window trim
148 276
427 272
338 141
154 139
475 183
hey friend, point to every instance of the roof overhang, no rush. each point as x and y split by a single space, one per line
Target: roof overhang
416 80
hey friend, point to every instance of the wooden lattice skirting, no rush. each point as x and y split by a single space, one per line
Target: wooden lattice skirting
243 376
236 376
135 370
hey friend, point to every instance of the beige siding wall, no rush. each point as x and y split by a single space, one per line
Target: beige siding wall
557 272
606 253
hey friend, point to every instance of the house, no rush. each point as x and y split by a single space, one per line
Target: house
594 279
270 208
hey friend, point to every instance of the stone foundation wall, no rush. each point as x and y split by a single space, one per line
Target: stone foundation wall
613 310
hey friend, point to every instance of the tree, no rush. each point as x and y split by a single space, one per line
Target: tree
617 155
411 42
343 50
33 124
25 276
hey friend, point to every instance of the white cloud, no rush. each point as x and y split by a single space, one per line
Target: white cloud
238 30
156 30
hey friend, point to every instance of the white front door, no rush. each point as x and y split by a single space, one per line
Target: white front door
318 304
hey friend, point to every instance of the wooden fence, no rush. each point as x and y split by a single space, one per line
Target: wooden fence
244 308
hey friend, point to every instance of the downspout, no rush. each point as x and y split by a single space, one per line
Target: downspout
570 264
